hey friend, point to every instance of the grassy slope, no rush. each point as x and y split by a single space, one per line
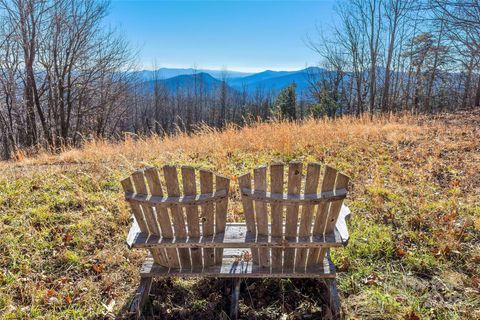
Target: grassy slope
415 240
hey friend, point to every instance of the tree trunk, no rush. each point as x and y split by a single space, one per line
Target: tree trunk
467 86
386 86
477 95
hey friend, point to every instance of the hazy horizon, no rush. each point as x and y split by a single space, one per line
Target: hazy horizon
240 70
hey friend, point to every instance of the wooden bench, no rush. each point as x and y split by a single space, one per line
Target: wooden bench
287 233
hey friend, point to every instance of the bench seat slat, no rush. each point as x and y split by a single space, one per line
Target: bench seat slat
231 267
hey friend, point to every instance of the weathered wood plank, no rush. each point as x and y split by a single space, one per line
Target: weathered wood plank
261 215
189 189
153 179
333 298
173 189
333 212
304 229
221 184
294 200
291 222
236 236
341 183
234 266
149 215
140 297
136 210
234 299
141 187
208 215
276 186
245 181
328 185
221 207
182 201
260 185
192 213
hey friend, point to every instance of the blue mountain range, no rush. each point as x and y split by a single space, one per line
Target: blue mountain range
167 73
207 80
187 82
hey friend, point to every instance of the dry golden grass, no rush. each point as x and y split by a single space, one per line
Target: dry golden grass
272 137
415 229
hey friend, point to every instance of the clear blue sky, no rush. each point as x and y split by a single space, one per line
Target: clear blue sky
239 35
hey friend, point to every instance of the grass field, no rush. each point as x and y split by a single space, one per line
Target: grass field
414 251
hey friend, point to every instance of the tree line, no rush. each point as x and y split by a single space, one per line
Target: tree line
59 73
400 55
65 75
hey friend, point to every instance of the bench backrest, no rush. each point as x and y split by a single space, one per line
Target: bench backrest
179 211
288 209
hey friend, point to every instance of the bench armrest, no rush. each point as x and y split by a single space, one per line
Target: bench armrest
341 225
132 233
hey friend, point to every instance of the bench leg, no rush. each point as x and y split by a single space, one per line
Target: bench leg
140 297
333 300
235 296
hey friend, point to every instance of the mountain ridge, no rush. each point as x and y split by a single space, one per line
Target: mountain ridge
268 80
167 73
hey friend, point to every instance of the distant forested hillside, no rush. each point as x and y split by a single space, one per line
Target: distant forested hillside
175 80
65 78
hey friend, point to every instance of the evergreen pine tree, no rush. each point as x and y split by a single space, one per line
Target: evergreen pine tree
285 106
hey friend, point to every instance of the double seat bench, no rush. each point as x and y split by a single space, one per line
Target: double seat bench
288 231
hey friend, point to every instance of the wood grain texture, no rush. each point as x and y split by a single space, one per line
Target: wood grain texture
328 185
190 188
153 179
149 215
233 267
245 181
341 183
235 236
207 216
291 220
192 214
173 189
140 297
333 212
260 185
136 210
221 208
304 229
180 201
261 214
158 254
148 212
276 186
292 199
155 186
